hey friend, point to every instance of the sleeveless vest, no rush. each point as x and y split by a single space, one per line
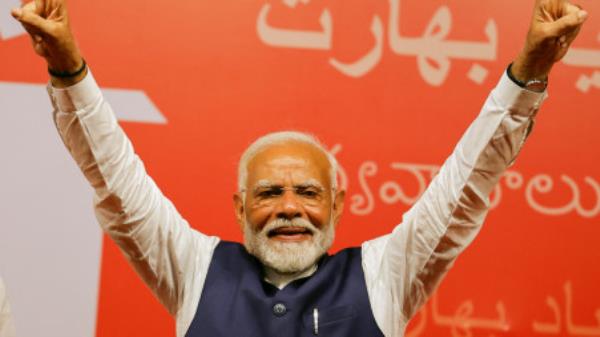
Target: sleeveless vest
237 302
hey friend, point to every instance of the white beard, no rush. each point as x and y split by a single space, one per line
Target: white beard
288 257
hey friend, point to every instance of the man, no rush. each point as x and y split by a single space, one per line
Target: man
7 327
281 281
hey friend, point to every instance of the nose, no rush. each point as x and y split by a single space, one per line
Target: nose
288 206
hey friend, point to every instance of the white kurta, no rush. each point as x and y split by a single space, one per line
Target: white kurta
401 269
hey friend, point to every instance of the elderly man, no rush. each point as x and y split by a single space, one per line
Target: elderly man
281 282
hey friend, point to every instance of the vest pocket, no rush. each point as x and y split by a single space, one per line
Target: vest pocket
329 316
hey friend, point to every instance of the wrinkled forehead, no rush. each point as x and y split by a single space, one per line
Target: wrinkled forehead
288 163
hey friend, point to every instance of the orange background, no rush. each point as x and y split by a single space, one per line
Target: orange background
219 86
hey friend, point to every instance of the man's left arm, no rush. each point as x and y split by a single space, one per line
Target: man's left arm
402 269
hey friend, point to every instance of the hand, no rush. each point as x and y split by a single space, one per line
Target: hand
47 23
554 26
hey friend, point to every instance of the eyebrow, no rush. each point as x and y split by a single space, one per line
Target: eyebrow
264 183
310 183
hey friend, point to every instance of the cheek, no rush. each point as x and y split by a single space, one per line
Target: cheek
318 216
259 217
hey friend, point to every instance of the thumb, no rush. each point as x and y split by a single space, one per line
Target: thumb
31 19
567 23
16 13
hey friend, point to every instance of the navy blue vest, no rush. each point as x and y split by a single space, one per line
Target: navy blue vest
236 302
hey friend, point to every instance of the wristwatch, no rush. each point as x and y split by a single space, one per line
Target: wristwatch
536 85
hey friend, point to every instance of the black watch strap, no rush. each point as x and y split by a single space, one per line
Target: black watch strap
537 85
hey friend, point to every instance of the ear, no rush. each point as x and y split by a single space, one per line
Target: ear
338 206
238 204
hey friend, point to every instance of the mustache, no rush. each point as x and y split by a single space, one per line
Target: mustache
276 224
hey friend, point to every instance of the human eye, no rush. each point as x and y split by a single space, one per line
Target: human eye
271 192
309 192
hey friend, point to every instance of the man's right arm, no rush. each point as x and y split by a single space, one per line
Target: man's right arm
171 257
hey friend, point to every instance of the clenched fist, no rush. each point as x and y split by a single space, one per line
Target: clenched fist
47 23
554 26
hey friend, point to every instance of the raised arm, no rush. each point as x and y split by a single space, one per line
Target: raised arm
403 268
170 257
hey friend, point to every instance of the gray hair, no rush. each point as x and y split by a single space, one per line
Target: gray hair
281 137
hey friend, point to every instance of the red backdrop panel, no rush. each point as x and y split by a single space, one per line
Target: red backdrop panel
391 113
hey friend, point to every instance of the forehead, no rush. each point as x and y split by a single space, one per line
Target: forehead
289 162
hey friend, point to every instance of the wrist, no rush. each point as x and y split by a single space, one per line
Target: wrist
535 85
64 56
65 65
65 79
69 73
528 68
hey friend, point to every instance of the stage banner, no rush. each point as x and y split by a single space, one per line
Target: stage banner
389 86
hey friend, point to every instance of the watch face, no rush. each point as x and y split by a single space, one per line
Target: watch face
536 85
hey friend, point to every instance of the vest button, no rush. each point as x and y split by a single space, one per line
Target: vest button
279 309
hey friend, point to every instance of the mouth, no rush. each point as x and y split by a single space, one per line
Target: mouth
293 234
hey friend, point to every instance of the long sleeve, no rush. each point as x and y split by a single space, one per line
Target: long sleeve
403 268
170 257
